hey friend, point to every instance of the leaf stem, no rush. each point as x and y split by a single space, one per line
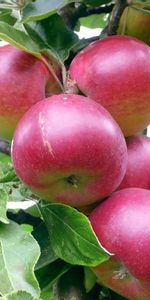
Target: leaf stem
50 68
9 6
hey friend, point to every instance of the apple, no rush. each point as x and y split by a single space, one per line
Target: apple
115 71
135 22
138 165
122 225
24 80
67 148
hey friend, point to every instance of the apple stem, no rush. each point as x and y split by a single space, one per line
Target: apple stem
64 75
50 68
70 85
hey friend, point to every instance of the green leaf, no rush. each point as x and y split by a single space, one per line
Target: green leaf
48 295
4 158
19 39
14 190
89 279
94 21
19 253
19 295
47 254
42 9
48 275
34 211
52 33
4 197
72 236
6 16
7 173
27 227
25 192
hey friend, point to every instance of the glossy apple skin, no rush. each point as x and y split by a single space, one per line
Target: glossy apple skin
24 80
115 72
122 225
69 149
138 165
136 23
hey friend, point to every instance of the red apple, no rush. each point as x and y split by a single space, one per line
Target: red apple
67 148
138 165
122 225
24 80
115 72
135 21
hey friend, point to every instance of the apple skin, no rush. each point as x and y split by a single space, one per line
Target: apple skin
138 165
122 225
68 149
115 71
136 23
24 80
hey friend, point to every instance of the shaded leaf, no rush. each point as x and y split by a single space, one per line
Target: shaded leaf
70 286
52 33
72 236
107 294
145 131
48 295
48 275
47 254
42 9
6 16
96 2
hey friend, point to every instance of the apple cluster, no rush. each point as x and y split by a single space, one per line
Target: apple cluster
87 150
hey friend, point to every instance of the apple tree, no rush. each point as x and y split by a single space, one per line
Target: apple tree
62 153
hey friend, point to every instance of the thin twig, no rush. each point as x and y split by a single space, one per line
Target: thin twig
5 147
116 14
50 68
71 15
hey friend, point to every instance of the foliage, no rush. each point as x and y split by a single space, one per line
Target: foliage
35 266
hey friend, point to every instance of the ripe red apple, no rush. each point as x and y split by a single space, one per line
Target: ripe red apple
67 148
24 80
136 22
138 165
122 225
115 72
